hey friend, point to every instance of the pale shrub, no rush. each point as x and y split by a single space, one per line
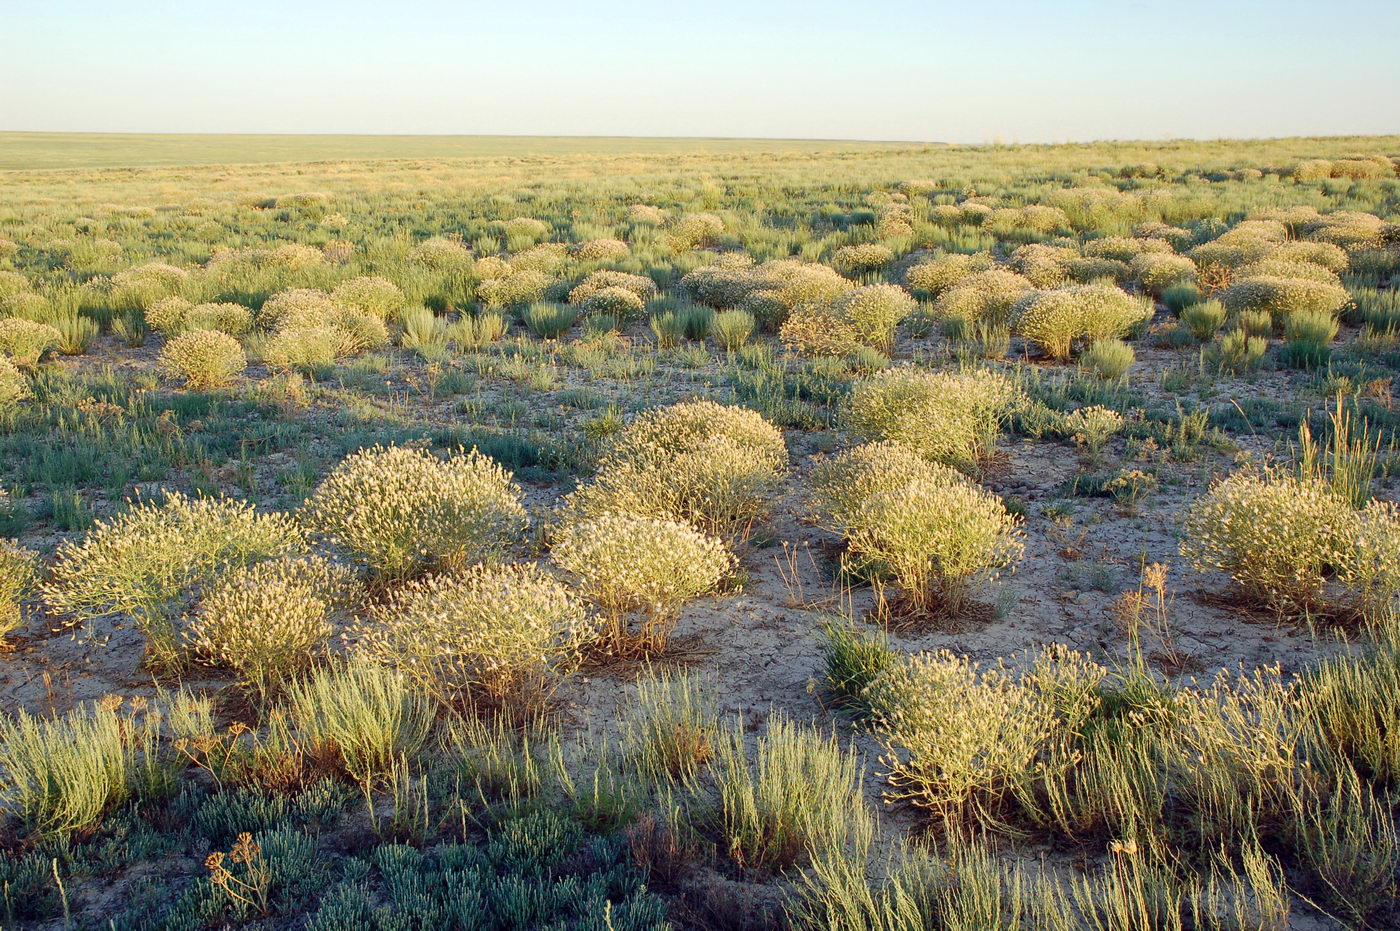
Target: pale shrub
861 258
948 417
613 302
937 535
1086 269
403 511
874 311
1043 266
696 229
1055 320
1124 248
24 342
599 250
294 255
202 358
1329 256
19 575
147 561
522 287
1035 218
370 294
1280 297
1373 572
1276 535
646 215
14 387
304 348
1157 272
710 465
1277 267
440 254
985 296
1091 426
167 315
490 267
640 285
957 740
936 275
1218 255
233 319
12 283
545 257
525 229
819 330
642 565
499 633
843 483
297 307
268 621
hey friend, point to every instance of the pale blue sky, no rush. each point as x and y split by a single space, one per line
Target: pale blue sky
879 69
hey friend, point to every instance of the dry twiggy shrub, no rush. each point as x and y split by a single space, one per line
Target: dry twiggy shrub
202 358
24 342
1055 320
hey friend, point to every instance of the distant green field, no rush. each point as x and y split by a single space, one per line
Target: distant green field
20 150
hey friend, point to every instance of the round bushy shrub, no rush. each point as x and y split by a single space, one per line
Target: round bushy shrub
1157 272
640 285
983 297
440 254
310 309
696 229
370 294
843 483
874 311
145 562
19 575
1055 320
1086 269
616 302
936 535
642 565
861 258
297 307
646 215
1109 359
1278 536
494 633
948 417
599 250
202 358
167 315
1280 297
545 257
1125 249
404 511
233 319
712 466
12 283
268 621
818 330
304 348
24 342
14 387
939 273
525 229
522 287
1203 320
1043 266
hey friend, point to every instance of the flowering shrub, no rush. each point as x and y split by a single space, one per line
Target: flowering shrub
1280 297
613 302
1125 249
646 215
233 319
301 309
696 229
818 330
948 417
642 565
24 342
545 257
843 483
1043 266
936 275
521 287
985 296
14 387
598 250
639 285
167 315
768 291
1091 426
499 633
698 462
267 621
19 573
147 561
1276 535
440 253
1054 320
874 311
370 294
936 535
1036 218
202 358
1157 272
404 511
304 348
861 258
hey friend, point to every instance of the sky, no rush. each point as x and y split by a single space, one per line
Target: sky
1011 71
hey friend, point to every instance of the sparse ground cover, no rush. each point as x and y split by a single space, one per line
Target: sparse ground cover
640 535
